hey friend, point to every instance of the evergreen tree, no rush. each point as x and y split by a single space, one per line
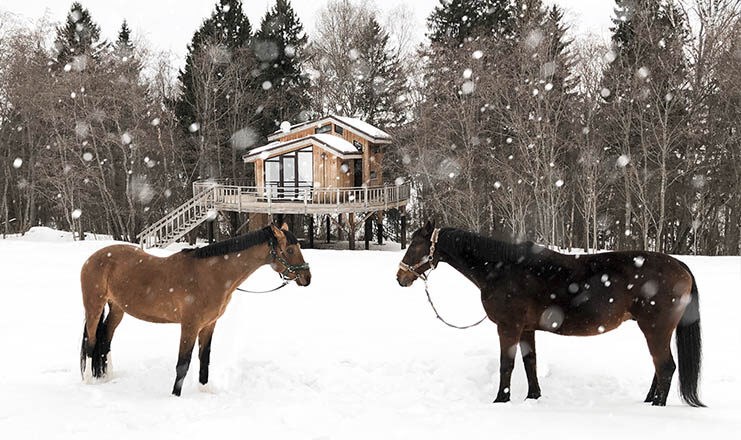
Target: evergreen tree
228 27
79 36
279 45
645 109
458 20
124 54
382 80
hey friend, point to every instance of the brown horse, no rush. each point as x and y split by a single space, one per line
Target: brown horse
526 287
191 287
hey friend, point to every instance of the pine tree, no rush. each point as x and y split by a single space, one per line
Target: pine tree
645 110
228 26
79 36
279 44
457 20
383 81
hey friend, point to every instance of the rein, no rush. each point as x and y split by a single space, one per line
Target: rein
429 258
289 269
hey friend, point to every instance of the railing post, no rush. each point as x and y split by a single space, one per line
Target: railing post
338 197
366 196
270 198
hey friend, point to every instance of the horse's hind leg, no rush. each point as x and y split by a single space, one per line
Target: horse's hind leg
658 338
527 348
204 353
115 315
94 335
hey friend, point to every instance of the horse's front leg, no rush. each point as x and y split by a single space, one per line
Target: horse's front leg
509 337
527 349
204 353
188 334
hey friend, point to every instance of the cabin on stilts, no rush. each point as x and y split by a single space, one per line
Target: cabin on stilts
318 174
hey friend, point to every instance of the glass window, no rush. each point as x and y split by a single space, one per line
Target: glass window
338 129
323 129
306 167
358 145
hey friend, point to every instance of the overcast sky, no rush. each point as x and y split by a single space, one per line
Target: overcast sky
169 24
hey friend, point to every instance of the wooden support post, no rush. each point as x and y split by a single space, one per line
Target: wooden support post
328 227
351 227
368 232
379 227
311 231
210 230
403 215
339 227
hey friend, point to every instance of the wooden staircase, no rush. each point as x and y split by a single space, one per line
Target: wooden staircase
180 221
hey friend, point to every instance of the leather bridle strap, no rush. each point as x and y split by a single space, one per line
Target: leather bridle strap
429 258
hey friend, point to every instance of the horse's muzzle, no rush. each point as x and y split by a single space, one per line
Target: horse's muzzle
303 278
405 278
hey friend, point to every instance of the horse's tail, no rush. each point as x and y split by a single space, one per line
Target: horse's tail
689 348
98 353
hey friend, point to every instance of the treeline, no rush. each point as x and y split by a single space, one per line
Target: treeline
503 123
521 130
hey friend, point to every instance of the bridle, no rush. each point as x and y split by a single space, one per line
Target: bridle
288 269
429 258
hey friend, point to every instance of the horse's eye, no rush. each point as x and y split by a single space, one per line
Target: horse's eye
290 251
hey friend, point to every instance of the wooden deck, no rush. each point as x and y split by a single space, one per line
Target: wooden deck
285 200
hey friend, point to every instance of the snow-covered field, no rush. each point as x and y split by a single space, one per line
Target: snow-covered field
353 356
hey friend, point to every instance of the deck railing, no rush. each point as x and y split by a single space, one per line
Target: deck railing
244 198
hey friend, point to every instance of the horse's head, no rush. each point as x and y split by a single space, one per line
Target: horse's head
420 255
287 258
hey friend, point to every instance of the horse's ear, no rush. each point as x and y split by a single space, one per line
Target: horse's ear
284 226
279 236
429 227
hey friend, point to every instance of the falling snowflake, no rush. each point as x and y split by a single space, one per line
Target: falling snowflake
17 162
87 156
605 92
468 87
467 73
559 183
638 261
267 85
76 214
155 122
497 184
477 54
126 138
194 127
285 126
622 161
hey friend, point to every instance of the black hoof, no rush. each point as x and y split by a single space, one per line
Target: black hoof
534 396
502 399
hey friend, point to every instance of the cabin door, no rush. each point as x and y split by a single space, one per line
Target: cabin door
287 175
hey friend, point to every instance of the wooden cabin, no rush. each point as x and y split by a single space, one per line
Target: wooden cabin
333 152
329 169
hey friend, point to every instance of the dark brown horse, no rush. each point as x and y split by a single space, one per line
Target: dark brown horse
192 288
526 287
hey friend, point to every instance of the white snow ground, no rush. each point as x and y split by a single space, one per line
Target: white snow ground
353 356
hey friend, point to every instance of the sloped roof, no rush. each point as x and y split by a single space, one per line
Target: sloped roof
358 126
334 144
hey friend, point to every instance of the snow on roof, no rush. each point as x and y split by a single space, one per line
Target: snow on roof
334 143
364 127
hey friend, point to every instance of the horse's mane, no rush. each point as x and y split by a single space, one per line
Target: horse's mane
470 245
237 244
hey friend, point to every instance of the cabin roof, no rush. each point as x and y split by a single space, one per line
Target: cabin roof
334 144
362 128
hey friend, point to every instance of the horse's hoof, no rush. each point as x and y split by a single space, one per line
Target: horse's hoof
501 399
533 396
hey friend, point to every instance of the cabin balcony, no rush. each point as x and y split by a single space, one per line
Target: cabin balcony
302 199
